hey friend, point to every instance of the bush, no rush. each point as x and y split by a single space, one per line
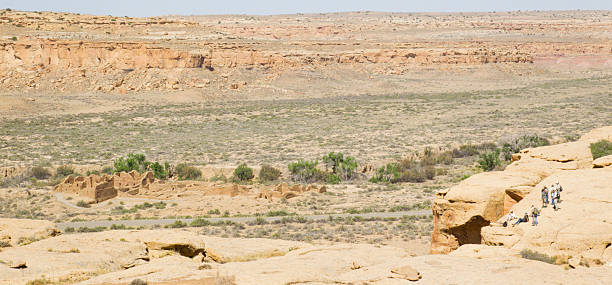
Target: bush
517 144
269 173
64 171
92 172
160 171
489 161
133 161
243 173
343 168
138 282
187 172
40 172
472 150
406 170
432 158
304 171
83 204
138 162
177 224
601 148
534 255
69 230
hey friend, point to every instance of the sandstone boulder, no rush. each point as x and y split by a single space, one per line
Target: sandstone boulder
603 162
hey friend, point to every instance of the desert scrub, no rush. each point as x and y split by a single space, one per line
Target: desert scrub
187 172
601 148
406 170
40 172
268 173
517 144
343 168
534 255
489 161
468 150
64 170
304 171
83 204
138 162
243 173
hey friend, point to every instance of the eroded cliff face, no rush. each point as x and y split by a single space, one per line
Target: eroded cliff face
463 210
43 51
39 54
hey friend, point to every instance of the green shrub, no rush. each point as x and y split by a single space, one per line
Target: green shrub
92 172
489 161
305 171
69 230
269 173
343 168
243 173
64 170
177 224
138 162
333 179
4 243
534 255
160 171
472 150
517 144
214 212
83 204
601 148
199 222
187 172
407 170
40 172
132 162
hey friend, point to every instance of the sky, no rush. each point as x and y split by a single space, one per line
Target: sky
140 8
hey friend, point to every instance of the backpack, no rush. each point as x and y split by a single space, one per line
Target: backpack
535 212
505 224
527 218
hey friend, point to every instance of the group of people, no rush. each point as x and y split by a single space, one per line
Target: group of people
554 192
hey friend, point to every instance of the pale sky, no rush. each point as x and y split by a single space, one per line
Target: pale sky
265 7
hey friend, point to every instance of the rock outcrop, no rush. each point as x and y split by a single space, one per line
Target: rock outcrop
14 231
74 256
32 54
463 210
581 228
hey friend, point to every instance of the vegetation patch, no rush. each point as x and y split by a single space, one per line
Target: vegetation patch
269 174
243 173
601 148
187 172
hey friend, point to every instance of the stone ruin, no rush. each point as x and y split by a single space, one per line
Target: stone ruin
101 188
284 191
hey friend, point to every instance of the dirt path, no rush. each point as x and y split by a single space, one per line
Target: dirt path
161 222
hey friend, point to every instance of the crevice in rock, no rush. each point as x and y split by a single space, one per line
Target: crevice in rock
469 233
